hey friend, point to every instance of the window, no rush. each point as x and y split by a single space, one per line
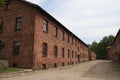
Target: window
14 65
8 5
55 51
44 50
68 53
18 24
16 48
55 31
2 45
45 26
75 42
63 36
63 53
68 38
72 40
55 65
44 66
1 26
63 64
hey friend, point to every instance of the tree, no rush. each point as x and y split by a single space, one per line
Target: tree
100 48
2 2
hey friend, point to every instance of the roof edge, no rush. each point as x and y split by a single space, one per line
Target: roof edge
116 36
37 6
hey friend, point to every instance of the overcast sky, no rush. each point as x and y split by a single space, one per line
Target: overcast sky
90 20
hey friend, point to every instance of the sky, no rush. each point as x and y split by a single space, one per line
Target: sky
90 20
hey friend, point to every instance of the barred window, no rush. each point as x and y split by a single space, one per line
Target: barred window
63 55
16 50
45 26
68 38
44 50
55 51
72 40
18 24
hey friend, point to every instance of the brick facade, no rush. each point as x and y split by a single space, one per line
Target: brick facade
93 55
31 38
114 49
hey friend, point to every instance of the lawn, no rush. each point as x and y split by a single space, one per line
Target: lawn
9 70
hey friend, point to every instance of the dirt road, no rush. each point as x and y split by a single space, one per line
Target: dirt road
94 70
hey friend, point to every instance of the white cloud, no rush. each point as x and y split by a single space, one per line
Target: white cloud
39 2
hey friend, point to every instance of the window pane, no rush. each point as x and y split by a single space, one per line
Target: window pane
18 23
45 26
72 40
16 48
68 39
55 51
44 50
8 5
62 52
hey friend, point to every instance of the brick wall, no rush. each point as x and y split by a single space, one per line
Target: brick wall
42 37
93 56
114 51
31 38
25 36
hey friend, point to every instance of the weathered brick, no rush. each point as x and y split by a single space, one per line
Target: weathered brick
32 37
114 49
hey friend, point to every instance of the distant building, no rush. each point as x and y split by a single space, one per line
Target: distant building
32 38
93 56
114 49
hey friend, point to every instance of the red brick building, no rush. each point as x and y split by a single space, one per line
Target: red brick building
32 38
114 49
93 55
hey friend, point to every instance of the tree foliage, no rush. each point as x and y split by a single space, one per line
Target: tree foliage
2 2
101 47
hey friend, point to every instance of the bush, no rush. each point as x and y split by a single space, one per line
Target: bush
3 64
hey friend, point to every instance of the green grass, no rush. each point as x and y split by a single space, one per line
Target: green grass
9 70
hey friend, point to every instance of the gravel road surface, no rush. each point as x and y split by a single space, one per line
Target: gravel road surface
92 70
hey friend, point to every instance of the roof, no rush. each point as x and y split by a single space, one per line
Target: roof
116 36
37 6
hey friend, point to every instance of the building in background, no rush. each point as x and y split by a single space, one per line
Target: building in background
114 49
32 38
93 55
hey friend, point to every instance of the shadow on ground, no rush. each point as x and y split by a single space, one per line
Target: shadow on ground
104 70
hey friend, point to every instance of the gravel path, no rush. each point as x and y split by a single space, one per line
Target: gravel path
104 70
94 70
